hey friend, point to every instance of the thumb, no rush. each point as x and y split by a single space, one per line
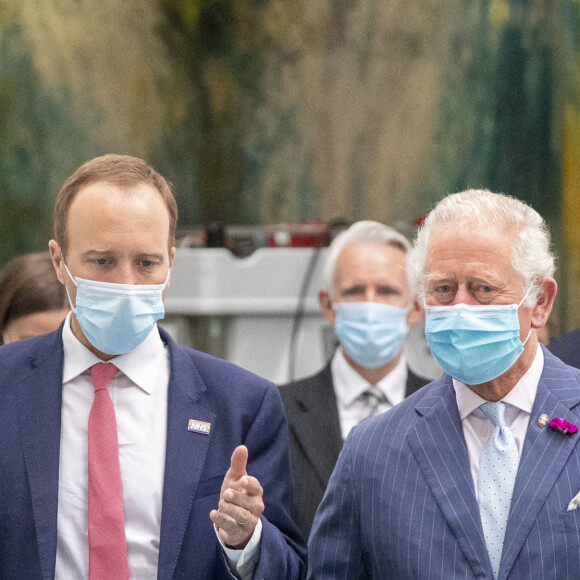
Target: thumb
239 462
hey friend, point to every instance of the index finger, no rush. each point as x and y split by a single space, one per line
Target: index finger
250 487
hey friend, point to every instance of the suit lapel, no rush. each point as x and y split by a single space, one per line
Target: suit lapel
319 432
39 391
543 457
185 456
439 447
316 424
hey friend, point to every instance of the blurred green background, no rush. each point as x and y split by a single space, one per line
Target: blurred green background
267 111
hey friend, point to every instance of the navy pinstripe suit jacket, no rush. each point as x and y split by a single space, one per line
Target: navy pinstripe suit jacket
401 505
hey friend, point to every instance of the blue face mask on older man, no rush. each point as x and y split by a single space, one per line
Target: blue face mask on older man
371 333
475 343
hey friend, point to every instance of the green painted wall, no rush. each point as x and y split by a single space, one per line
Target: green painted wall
263 111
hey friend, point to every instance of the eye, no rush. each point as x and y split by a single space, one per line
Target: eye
443 293
353 291
101 261
484 289
387 291
484 293
444 290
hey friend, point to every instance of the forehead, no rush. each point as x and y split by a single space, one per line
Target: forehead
103 211
465 253
370 263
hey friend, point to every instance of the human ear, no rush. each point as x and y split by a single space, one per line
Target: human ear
326 306
416 312
57 260
541 311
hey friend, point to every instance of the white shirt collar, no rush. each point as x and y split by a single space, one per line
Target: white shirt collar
349 385
522 396
136 365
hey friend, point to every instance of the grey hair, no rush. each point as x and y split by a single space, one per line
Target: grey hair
363 232
530 251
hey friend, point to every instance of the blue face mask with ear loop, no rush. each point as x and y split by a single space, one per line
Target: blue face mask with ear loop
117 318
475 343
371 333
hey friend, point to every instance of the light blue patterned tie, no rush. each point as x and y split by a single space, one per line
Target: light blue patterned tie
497 475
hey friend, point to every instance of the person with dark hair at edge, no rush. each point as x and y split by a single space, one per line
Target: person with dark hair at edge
32 300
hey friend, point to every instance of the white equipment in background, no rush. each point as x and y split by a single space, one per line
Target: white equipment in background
246 310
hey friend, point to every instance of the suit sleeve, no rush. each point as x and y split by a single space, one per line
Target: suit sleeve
334 548
282 550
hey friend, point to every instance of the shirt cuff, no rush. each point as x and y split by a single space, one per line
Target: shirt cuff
243 562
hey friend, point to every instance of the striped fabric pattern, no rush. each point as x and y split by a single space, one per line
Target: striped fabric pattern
401 505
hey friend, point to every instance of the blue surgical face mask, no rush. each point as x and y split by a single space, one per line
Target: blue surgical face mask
372 334
117 318
475 343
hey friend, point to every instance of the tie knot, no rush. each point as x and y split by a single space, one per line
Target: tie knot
495 412
102 373
373 396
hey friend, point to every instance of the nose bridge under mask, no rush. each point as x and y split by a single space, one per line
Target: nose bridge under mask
426 306
73 280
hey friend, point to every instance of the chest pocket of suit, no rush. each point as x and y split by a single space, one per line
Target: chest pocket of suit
570 522
209 486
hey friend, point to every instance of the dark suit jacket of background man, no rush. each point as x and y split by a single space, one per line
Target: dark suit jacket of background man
241 407
316 439
567 348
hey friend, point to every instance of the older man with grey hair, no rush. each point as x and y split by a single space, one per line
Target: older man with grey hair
478 474
368 299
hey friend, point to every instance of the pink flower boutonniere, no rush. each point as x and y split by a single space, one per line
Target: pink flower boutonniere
563 426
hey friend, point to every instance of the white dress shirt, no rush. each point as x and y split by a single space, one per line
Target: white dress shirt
477 427
139 395
349 386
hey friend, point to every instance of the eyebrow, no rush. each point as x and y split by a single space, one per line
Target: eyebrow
440 278
491 281
97 253
355 288
107 253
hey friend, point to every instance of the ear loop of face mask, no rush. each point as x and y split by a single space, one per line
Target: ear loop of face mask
521 302
65 286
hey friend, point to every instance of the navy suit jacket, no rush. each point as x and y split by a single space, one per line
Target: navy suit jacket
567 348
242 409
401 503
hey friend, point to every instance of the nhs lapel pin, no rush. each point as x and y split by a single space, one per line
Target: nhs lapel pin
198 426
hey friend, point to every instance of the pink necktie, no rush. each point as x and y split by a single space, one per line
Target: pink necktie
106 518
